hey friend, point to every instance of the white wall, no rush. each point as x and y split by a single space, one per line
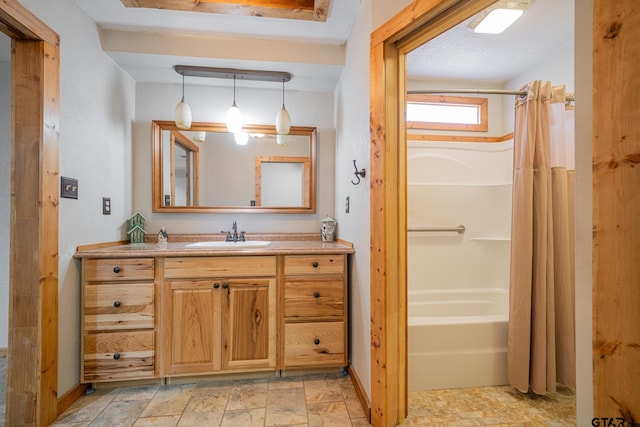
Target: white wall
558 68
258 106
352 122
96 111
5 195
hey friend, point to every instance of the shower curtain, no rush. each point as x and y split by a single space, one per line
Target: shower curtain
541 348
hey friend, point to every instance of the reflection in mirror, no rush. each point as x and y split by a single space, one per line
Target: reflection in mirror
203 169
276 172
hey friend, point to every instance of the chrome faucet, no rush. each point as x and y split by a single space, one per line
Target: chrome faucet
235 237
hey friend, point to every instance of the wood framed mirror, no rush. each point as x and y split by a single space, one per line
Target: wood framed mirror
205 169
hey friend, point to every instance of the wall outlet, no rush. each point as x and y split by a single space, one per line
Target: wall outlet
106 206
346 205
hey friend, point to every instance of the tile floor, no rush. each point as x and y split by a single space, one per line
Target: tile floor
315 400
491 406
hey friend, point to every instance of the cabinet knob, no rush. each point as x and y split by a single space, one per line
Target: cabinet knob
316 341
315 264
117 304
316 294
116 356
225 285
116 270
216 285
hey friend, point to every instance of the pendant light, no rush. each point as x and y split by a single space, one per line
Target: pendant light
234 116
283 120
183 111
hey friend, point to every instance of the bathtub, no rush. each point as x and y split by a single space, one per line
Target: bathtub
457 338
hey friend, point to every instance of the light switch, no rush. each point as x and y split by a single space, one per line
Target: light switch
68 187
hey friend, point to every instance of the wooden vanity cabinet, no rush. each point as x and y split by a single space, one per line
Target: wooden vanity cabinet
314 311
118 313
219 314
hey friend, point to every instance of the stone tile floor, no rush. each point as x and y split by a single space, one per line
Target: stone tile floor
491 406
317 400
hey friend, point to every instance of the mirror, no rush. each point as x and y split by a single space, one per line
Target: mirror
204 169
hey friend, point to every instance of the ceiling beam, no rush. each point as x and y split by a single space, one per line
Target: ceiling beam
308 10
231 48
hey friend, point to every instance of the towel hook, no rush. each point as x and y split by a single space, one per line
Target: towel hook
358 174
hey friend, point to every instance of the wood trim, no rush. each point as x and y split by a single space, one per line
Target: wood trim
360 392
481 103
92 246
417 23
19 23
158 126
309 10
616 223
71 396
33 288
282 159
459 138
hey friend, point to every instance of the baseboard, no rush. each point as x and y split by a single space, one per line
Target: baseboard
362 395
71 396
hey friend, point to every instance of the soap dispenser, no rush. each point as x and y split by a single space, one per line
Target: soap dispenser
163 237
328 229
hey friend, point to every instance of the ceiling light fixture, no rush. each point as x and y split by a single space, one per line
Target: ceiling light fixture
498 17
183 111
234 116
241 138
283 120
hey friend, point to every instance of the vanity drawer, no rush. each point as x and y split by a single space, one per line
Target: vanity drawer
314 344
314 298
239 266
118 269
118 356
313 264
113 306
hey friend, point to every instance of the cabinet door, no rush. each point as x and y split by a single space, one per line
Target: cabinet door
192 339
248 323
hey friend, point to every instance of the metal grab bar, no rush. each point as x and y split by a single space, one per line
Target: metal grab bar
459 229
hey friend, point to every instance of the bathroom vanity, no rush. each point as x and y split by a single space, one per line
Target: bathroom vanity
183 309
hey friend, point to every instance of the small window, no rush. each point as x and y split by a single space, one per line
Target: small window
438 112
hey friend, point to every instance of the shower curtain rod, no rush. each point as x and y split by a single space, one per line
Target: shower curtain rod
569 98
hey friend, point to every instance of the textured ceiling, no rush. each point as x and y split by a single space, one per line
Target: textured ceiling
313 47
461 54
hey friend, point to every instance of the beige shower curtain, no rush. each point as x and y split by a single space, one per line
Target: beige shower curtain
541 349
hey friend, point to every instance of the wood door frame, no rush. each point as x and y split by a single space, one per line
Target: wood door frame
32 372
418 23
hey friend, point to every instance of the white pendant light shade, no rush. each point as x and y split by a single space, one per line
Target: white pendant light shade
283 122
183 115
283 119
199 136
234 119
282 139
234 116
183 112
241 138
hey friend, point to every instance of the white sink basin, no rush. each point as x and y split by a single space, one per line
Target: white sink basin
230 245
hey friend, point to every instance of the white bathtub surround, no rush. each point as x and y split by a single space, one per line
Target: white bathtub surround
542 312
458 282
